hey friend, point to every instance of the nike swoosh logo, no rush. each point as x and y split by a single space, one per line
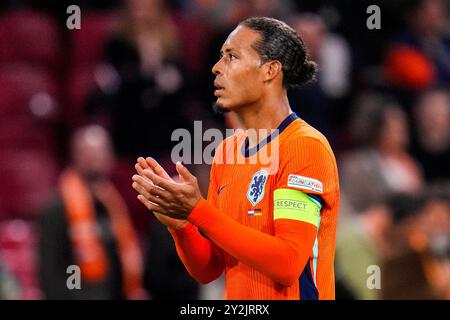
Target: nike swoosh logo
220 189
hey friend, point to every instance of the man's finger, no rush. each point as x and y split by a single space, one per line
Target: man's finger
153 199
149 205
157 168
140 189
150 188
160 182
142 180
184 172
148 195
143 163
140 169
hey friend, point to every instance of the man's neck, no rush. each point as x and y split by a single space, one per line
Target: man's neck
267 115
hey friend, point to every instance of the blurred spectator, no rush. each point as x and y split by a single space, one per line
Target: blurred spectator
381 165
403 274
329 50
418 267
316 102
9 287
142 85
420 58
220 13
361 242
434 221
432 134
18 240
88 225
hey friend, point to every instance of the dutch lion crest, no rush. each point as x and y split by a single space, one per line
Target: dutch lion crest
255 191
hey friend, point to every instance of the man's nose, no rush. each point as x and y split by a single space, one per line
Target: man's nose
217 69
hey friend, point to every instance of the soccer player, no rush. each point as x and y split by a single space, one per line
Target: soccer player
270 227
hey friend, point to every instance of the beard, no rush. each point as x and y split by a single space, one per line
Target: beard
219 108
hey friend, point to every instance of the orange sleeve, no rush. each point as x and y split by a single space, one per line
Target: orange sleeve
281 257
201 258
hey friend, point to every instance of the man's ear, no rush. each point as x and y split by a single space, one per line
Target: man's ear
272 69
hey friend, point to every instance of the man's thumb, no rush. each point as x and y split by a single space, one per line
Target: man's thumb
184 173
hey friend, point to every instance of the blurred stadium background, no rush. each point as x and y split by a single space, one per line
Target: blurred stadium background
141 68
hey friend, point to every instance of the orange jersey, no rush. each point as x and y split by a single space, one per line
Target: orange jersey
303 153
265 257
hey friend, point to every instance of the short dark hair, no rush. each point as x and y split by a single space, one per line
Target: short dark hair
280 42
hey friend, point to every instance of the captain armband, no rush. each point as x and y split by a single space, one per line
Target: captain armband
296 205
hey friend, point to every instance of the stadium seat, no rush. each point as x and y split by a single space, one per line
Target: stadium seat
5 48
33 80
22 134
28 108
12 99
80 83
28 180
22 87
29 36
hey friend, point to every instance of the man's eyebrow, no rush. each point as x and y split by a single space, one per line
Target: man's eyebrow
226 50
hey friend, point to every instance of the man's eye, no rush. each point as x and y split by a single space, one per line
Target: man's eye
231 56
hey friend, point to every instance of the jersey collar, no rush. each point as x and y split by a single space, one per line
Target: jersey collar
246 152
